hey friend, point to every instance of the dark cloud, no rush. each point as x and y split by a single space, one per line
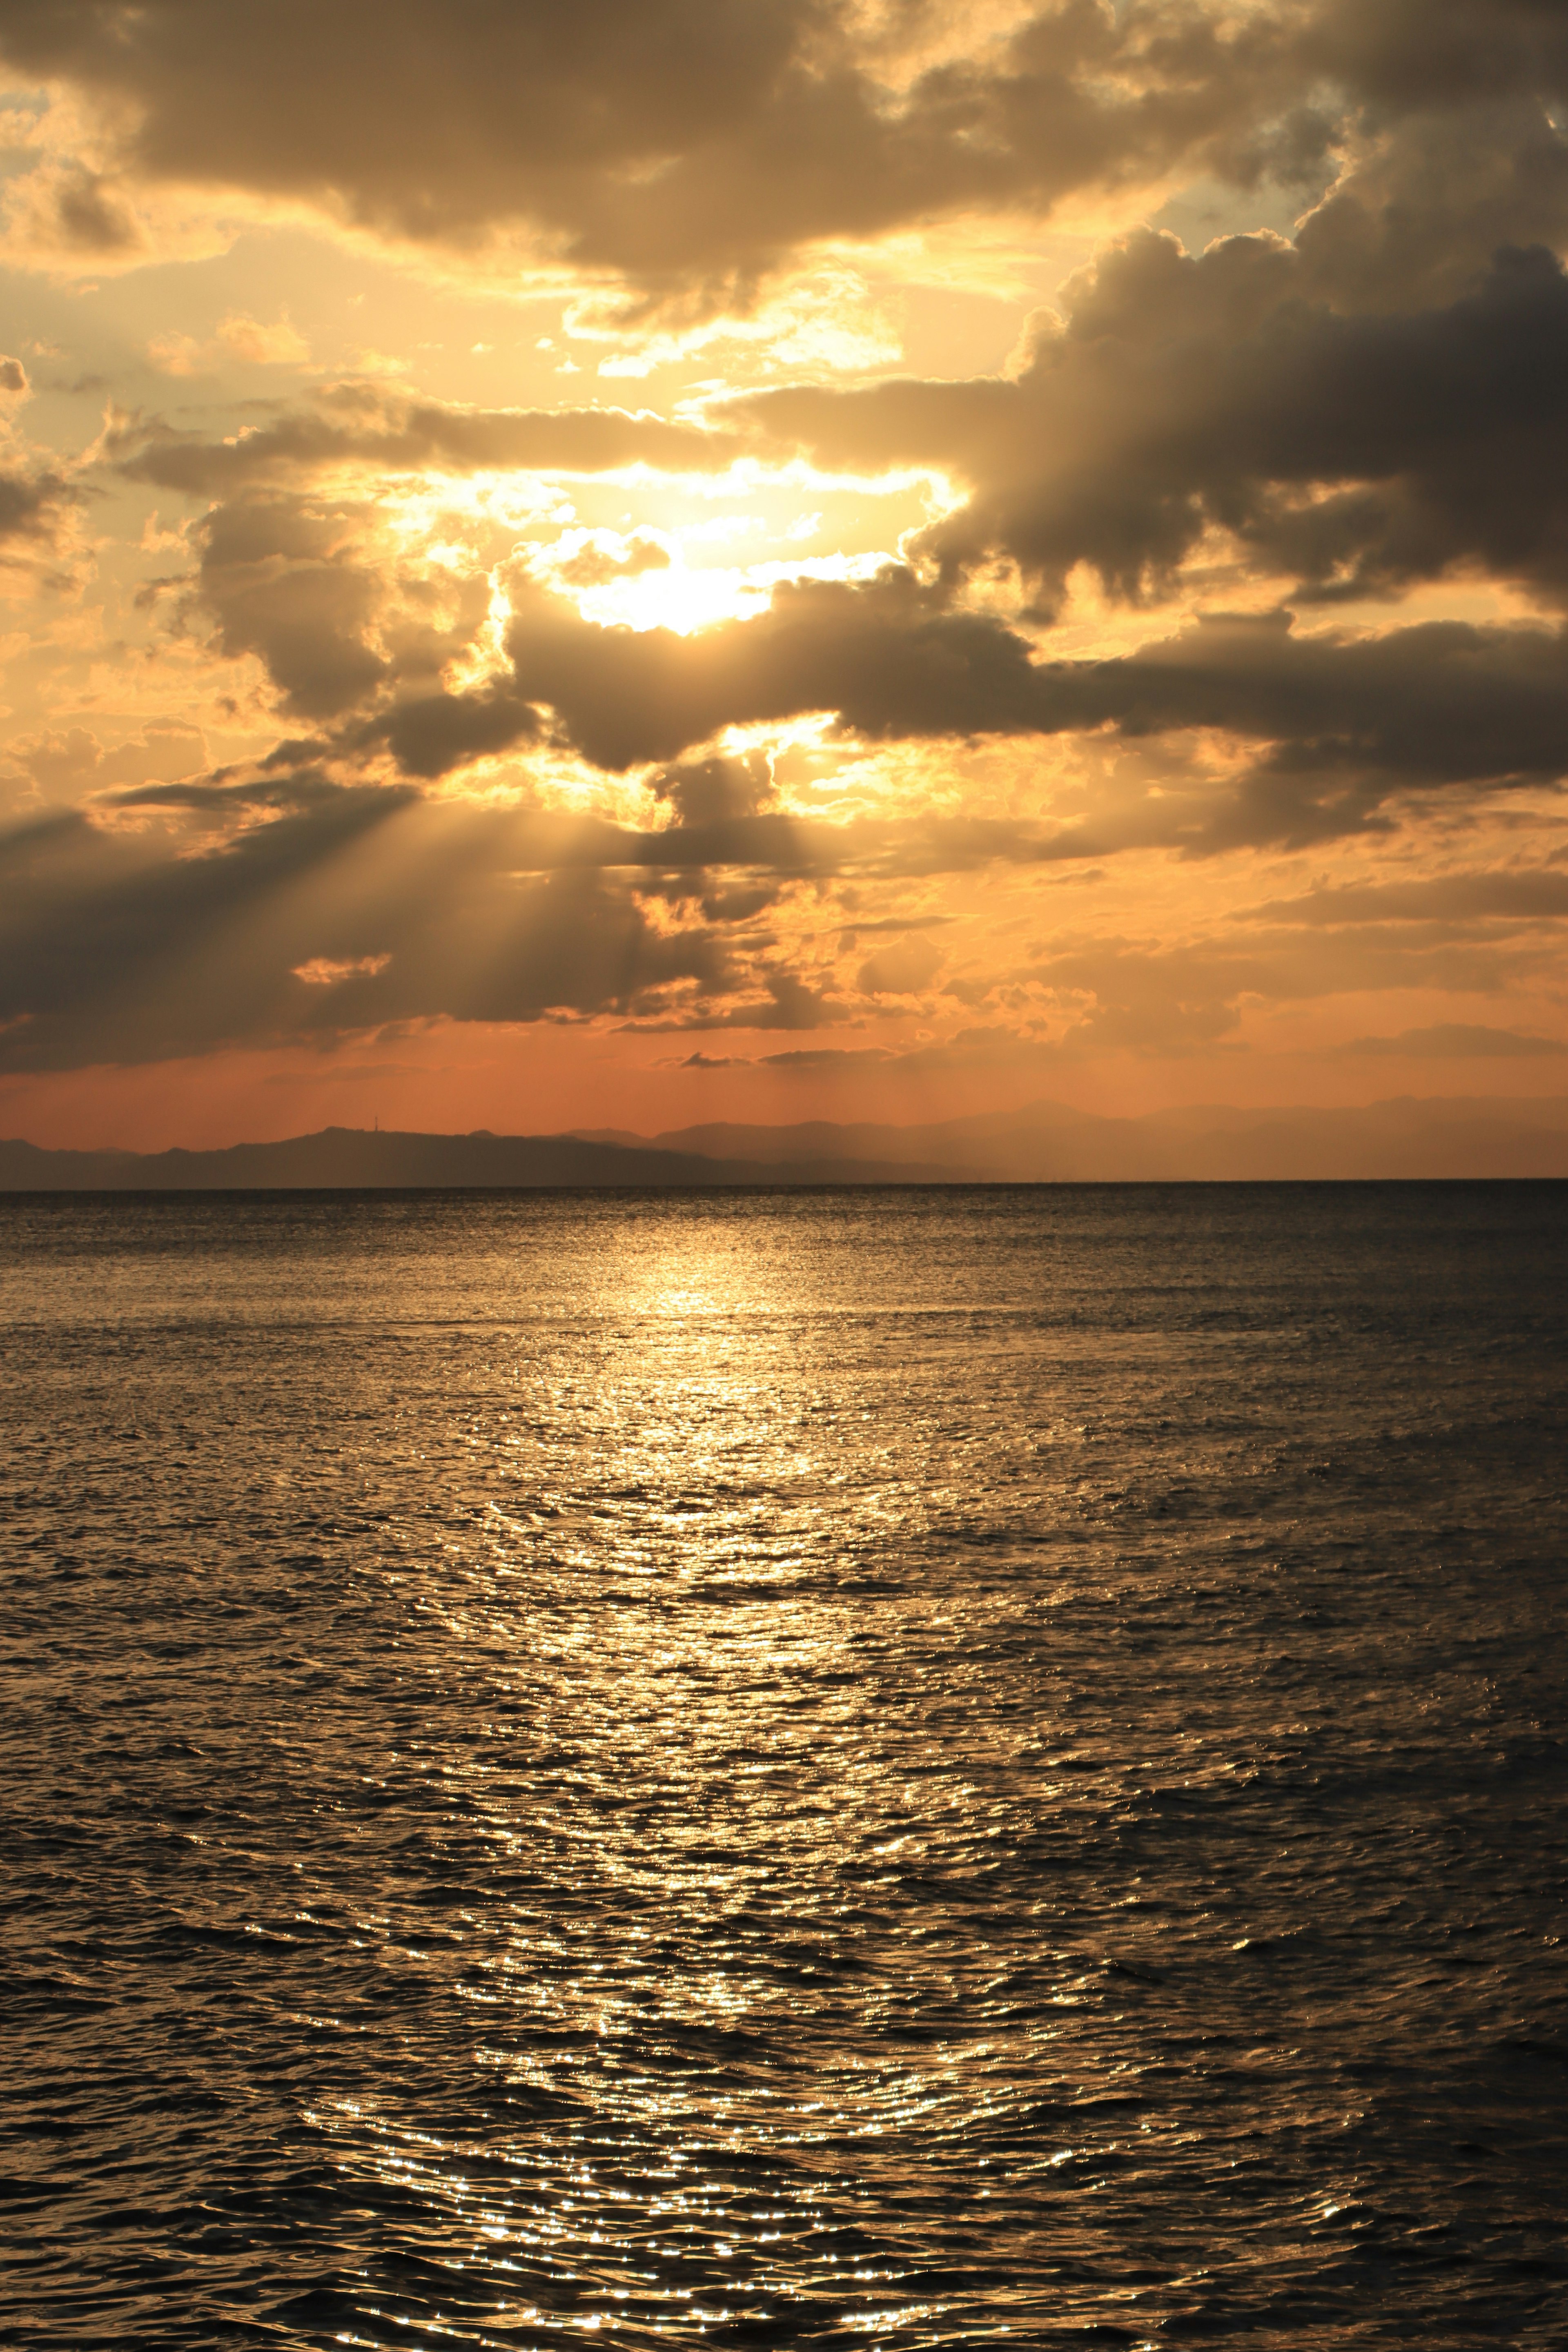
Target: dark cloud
1374 405
34 500
890 657
286 580
301 580
1399 54
367 426
1184 397
1341 721
1427 205
430 735
1344 722
684 143
1510 896
1347 723
690 145
192 916
713 792
89 215
188 916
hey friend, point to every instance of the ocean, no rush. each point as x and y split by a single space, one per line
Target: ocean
894 1768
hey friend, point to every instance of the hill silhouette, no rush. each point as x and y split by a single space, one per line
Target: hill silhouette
1042 1143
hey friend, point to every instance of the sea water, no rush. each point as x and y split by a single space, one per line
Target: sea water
908 1767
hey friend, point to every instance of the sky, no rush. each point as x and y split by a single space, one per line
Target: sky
680 560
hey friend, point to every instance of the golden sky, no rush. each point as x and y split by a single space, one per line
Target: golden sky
677 560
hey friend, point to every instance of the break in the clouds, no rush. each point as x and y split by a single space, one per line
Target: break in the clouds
1029 540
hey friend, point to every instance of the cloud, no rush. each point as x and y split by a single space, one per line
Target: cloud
1172 994
486 806
903 968
715 792
34 502
1428 53
71 763
188 916
1458 1041
358 637
1462 900
1339 722
328 971
287 582
686 145
184 916
369 427
989 1048
240 337
38 497
788 1002
1343 721
64 210
1180 399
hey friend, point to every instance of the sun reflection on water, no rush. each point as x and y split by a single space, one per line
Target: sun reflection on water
689 1963
713 1772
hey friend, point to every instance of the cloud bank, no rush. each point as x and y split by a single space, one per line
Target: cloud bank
1188 678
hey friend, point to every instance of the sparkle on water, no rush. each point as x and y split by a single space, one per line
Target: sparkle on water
914 1768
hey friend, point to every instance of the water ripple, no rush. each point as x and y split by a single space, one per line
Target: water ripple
912 1768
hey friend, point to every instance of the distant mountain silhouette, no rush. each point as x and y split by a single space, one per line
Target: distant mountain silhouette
1043 1143
1048 1142
350 1157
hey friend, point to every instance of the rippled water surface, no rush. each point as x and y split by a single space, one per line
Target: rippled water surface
901 1767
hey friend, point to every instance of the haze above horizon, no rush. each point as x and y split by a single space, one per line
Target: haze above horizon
1043 1143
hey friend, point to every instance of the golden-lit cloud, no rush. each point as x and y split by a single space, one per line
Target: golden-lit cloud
1028 542
238 336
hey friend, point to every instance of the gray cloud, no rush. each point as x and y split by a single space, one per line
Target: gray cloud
683 144
298 580
366 425
328 910
188 915
1454 899
1403 53
1346 721
1342 723
284 580
1186 997
34 500
715 792
1458 1041
1183 396
689 146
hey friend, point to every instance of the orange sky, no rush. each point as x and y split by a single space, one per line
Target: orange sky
678 562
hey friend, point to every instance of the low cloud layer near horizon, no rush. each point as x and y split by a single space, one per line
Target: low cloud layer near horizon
1012 539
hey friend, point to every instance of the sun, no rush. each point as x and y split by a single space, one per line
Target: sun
682 599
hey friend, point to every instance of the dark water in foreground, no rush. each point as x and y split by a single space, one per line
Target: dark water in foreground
896 1768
